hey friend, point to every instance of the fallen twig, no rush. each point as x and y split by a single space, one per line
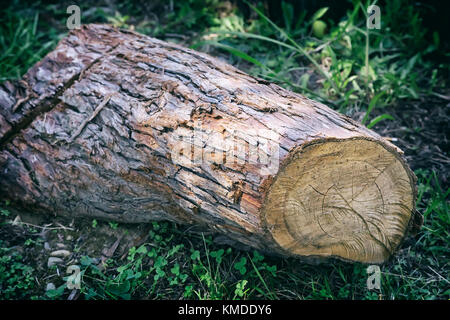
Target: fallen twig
93 115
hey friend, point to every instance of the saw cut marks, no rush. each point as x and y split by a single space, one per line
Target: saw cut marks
348 199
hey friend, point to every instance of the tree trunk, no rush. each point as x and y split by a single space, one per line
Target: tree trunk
116 125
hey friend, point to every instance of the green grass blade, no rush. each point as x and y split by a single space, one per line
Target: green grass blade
378 119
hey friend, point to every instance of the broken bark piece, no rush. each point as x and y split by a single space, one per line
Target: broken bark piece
124 127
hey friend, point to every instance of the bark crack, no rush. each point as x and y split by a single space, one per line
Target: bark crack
46 104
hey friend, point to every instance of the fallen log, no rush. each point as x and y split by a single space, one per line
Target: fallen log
116 125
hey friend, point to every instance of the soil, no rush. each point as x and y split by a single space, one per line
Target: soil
421 129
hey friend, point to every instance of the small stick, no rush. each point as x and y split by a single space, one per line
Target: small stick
20 102
29 94
43 227
93 115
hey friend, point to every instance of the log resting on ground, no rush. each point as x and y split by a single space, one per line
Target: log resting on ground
117 125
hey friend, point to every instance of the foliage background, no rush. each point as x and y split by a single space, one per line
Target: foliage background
394 80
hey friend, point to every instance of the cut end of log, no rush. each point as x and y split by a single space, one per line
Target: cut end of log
350 199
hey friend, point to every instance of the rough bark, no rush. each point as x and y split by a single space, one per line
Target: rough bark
110 123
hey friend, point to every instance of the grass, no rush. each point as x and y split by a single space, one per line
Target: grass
349 67
174 265
21 44
16 278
